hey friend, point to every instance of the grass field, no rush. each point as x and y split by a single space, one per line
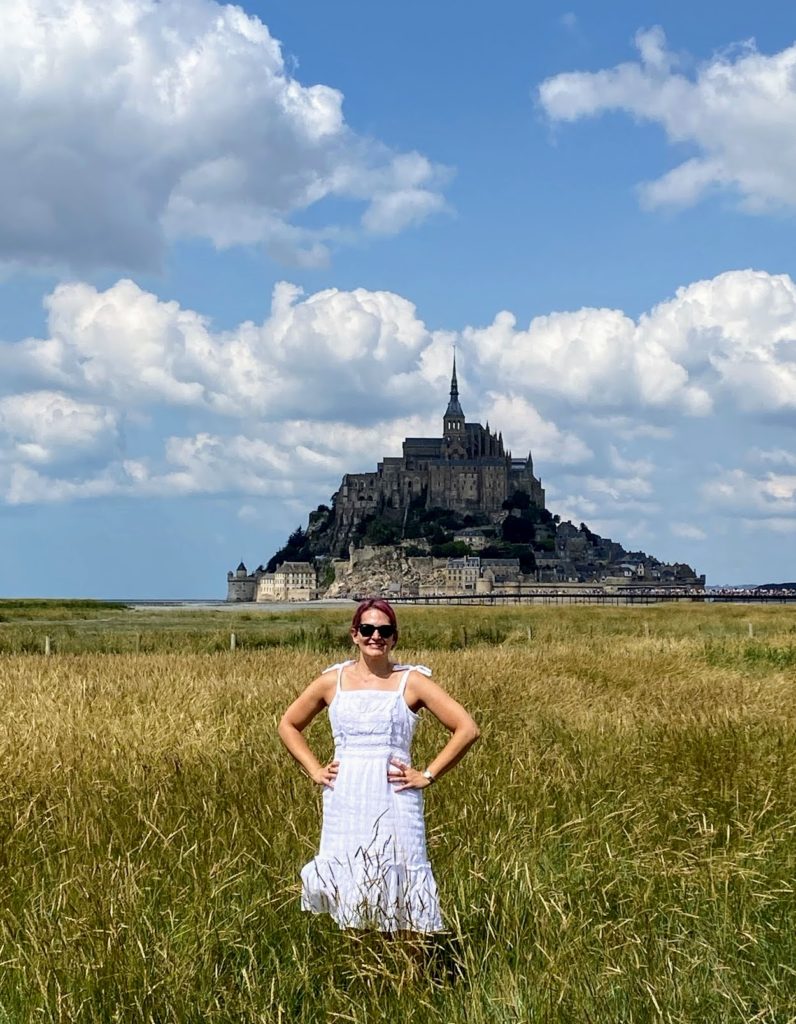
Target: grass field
619 847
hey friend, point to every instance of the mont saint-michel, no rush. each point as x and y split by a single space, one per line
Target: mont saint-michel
452 515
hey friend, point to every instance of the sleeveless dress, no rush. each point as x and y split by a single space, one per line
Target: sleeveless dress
372 869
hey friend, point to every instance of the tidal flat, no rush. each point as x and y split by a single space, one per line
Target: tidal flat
620 845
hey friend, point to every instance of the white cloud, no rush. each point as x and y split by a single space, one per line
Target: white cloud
42 427
575 508
23 485
295 458
771 496
626 428
591 499
331 382
774 523
688 531
619 488
127 345
524 429
639 467
738 112
728 338
592 358
126 122
775 456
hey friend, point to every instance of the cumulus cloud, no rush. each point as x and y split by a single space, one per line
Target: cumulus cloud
728 338
607 499
285 460
688 531
129 122
130 395
592 357
738 112
43 427
618 489
126 344
775 456
772 495
639 467
773 523
524 429
626 428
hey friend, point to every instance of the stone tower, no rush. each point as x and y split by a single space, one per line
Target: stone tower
454 431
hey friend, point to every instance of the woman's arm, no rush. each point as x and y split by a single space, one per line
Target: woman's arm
296 719
464 732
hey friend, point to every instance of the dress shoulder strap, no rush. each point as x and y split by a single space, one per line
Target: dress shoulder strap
404 677
423 669
339 666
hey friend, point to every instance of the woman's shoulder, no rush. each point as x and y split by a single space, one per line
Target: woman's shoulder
337 666
417 674
325 684
424 670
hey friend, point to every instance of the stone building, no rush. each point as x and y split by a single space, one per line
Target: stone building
463 573
291 581
472 574
467 469
241 584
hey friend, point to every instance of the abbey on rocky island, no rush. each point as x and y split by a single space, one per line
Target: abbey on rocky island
454 514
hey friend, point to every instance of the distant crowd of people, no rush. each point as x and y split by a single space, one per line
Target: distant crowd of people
751 591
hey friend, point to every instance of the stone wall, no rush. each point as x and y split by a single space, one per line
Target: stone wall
240 589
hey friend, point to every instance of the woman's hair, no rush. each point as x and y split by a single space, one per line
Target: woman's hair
377 604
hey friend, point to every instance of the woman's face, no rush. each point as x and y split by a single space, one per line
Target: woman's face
374 644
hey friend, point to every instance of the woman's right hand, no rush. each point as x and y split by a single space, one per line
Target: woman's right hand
326 776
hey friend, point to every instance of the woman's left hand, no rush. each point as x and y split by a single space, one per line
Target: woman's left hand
405 777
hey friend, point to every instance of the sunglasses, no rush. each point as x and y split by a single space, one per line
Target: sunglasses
367 629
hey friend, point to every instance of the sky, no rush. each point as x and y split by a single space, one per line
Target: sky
238 245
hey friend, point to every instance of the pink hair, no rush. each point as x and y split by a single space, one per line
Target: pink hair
376 604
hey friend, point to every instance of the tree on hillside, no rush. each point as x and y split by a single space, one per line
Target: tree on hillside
517 530
296 550
519 499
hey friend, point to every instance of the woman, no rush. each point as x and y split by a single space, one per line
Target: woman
372 870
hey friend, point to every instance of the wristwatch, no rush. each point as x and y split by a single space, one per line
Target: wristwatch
427 775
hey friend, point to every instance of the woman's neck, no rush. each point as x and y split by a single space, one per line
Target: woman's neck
374 665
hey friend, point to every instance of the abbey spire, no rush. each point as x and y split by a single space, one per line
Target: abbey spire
454 410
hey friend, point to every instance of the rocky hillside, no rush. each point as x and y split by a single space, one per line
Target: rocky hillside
385 570
547 549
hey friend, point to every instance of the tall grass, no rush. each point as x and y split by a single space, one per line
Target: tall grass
620 847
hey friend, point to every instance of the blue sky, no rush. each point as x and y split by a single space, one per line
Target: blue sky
238 243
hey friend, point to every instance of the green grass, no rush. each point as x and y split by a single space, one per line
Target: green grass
619 847
76 627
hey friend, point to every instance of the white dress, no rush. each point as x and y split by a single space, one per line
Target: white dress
372 869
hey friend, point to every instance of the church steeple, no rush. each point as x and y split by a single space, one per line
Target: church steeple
454 409
453 423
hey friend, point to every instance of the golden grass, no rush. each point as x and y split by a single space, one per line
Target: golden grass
620 846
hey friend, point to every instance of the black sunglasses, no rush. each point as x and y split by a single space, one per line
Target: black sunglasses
367 629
